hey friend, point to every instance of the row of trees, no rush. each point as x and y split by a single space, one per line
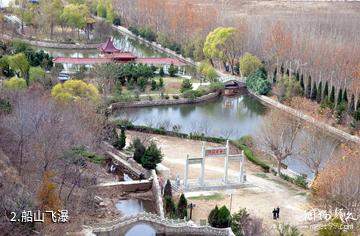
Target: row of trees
319 46
173 211
46 16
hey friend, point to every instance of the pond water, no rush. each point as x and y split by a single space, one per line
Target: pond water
122 42
229 117
133 206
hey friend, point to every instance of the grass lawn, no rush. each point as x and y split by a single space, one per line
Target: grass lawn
213 197
172 85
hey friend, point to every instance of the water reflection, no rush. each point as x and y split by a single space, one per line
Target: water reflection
130 206
230 117
141 229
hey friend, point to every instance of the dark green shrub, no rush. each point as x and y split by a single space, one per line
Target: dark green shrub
176 97
340 112
117 21
172 70
168 189
213 215
258 83
121 140
5 106
182 207
186 85
250 155
153 85
216 86
170 209
326 103
298 180
190 94
167 97
220 218
161 72
139 150
152 157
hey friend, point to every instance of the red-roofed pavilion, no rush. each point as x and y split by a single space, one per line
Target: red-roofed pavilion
110 54
108 47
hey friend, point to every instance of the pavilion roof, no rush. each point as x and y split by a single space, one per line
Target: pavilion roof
108 47
120 55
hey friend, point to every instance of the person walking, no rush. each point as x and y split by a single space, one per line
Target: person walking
277 212
274 214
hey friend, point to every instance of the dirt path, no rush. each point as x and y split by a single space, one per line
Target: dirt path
267 192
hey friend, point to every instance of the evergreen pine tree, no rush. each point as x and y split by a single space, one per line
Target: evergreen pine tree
224 217
182 207
345 97
172 70
332 95
297 76
161 72
139 150
152 157
121 140
161 82
168 189
275 74
340 97
314 92
212 218
308 88
153 85
319 93
282 70
352 104
302 83
326 89
170 208
287 72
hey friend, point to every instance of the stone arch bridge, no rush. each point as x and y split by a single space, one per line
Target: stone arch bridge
162 226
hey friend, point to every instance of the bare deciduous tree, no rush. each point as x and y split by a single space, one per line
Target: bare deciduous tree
277 136
337 185
317 149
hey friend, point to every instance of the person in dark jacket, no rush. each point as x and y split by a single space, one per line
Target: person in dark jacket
277 212
274 214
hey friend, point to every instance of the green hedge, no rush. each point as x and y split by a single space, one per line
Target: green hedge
196 136
145 129
298 180
251 157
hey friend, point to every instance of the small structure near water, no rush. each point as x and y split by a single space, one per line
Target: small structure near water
233 87
110 54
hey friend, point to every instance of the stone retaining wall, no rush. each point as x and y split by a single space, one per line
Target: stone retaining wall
128 164
321 125
48 44
118 188
156 191
164 102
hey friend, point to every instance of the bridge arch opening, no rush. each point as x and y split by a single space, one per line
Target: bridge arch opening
141 229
